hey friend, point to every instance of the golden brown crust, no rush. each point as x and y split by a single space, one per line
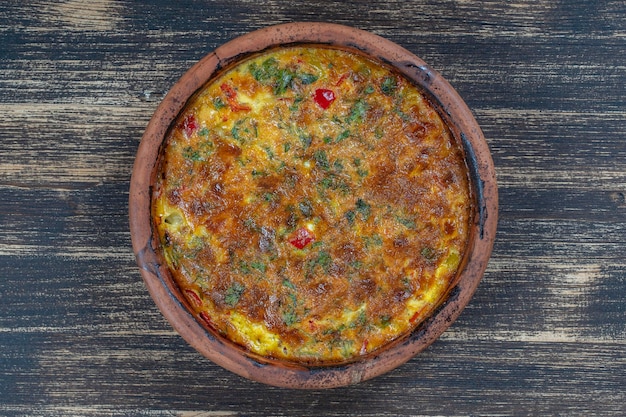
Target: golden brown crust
312 205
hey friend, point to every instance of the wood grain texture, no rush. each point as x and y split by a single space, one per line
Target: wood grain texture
546 331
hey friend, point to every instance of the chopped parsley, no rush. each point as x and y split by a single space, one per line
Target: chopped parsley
290 317
198 154
363 208
322 260
343 135
389 86
428 253
357 112
259 266
244 130
218 103
308 78
350 216
406 222
306 208
305 139
321 159
280 79
233 294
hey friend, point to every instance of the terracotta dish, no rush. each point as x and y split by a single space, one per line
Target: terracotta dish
217 316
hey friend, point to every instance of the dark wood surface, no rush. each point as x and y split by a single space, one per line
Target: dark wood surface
546 331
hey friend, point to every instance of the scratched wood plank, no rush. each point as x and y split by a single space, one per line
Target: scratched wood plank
545 333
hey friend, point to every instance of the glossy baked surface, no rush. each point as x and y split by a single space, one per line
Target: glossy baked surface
312 205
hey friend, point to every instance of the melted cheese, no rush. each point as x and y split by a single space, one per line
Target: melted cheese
312 204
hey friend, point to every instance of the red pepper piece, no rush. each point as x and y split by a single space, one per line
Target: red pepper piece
301 238
193 297
417 315
363 350
231 97
341 79
205 317
324 97
189 125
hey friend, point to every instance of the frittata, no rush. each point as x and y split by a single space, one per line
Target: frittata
312 205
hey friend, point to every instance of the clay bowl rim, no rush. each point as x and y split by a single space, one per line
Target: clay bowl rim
274 372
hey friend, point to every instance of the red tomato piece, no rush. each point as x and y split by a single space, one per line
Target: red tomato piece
301 238
324 97
189 125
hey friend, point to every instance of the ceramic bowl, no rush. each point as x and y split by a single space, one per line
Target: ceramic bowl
274 372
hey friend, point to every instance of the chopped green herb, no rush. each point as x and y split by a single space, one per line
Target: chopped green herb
281 166
286 147
244 268
406 222
374 240
233 294
244 130
268 197
269 152
389 85
338 165
369 89
321 159
362 172
360 320
306 208
385 320
196 243
343 135
323 260
334 182
357 112
259 266
350 216
428 253
296 103
363 208
346 348
218 103
327 139
203 132
289 317
283 81
326 182
317 244
269 73
305 139
405 117
192 154
294 299
356 264
288 284
266 71
256 174
308 78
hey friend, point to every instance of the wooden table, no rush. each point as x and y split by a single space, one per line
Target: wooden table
546 331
